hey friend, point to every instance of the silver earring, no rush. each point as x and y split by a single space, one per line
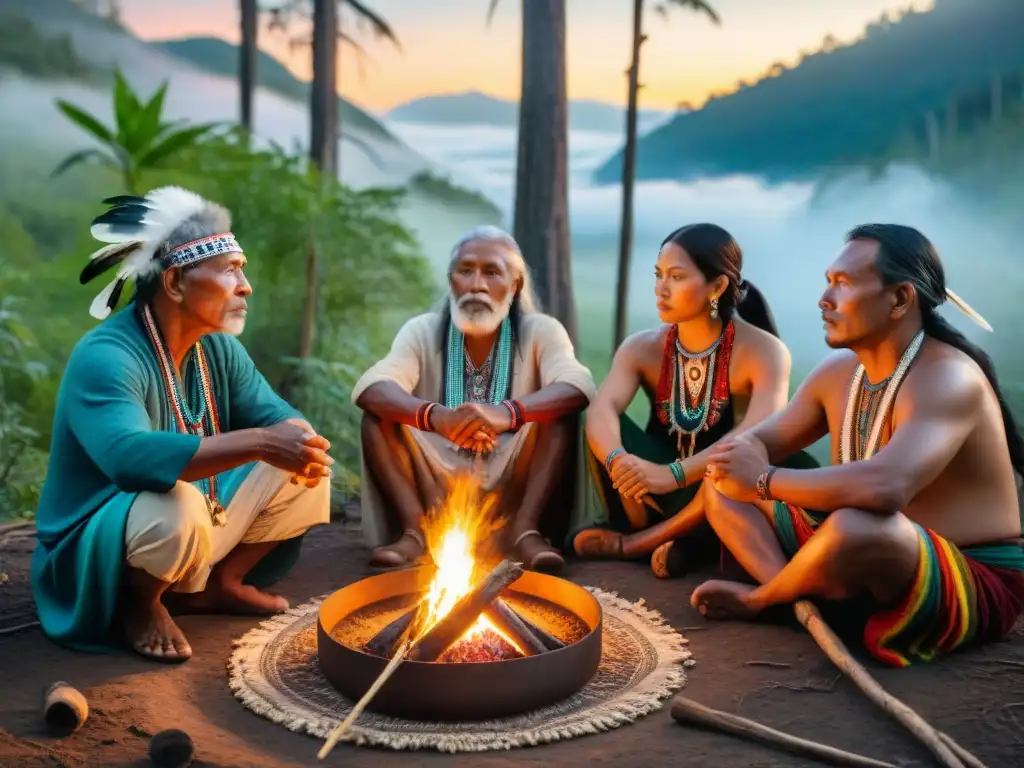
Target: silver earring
714 309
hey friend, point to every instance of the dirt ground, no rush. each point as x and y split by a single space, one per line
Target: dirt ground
972 696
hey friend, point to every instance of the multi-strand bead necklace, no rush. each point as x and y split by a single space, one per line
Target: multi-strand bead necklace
684 377
866 413
500 361
206 421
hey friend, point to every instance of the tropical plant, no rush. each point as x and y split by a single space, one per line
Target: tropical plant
629 153
140 140
17 370
541 219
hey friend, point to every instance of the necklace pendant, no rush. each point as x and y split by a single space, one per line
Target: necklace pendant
218 516
695 373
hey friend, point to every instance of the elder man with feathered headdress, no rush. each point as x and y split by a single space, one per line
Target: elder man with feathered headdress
484 384
171 456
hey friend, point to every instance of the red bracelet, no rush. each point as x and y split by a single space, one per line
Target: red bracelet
516 410
423 417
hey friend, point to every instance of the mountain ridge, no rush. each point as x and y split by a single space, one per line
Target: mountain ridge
840 105
474 107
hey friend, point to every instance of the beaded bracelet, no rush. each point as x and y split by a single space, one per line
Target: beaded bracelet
678 472
611 457
764 484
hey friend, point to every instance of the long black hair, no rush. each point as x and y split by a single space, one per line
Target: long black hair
716 253
907 256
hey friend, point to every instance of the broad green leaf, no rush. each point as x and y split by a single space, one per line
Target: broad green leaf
170 145
85 121
126 108
76 158
147 127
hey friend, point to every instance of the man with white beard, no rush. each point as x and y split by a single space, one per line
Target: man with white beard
483 383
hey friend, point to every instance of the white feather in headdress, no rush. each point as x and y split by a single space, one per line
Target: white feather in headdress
968 310
135 228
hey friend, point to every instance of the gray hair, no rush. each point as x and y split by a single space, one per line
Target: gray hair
528 304
212 220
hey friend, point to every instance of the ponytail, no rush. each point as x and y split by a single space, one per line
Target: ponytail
938 328
753 307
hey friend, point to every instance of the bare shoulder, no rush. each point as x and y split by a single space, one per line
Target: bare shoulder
834 374
946 378
644 346
759 347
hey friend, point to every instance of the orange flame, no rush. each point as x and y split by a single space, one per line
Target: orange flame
462 539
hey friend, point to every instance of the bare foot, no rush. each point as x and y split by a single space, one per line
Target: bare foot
237 599
406 550
537 554
724 600
599 542
152 633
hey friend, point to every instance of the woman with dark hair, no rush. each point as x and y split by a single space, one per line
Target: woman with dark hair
715 367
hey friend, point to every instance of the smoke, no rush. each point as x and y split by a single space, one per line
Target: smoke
789 233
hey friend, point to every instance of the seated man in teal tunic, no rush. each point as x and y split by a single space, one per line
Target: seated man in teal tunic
178 479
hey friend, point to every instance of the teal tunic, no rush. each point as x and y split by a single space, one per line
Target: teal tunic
113 437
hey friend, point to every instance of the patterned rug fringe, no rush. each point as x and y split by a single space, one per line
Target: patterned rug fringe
647 697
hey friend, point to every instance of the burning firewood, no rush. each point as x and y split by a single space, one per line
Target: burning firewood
501 613
385 642
528 636
461 617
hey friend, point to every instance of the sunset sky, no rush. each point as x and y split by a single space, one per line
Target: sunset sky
446 47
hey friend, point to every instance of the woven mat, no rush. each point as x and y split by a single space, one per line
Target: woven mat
274 672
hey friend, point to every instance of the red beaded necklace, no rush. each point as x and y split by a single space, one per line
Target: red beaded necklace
669 395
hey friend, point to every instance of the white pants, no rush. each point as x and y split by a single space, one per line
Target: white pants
171 537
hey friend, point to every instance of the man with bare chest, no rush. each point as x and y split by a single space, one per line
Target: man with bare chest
919 510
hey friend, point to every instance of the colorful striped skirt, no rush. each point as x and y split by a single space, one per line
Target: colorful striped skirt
958 598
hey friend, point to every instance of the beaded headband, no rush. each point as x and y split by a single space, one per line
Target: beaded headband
201 249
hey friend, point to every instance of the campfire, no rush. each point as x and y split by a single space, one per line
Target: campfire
469 636
462 618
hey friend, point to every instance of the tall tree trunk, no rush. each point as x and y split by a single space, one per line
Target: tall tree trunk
248 63
323 112
323 143
542 196
628 176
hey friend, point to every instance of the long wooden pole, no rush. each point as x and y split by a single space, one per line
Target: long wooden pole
948 752
688 711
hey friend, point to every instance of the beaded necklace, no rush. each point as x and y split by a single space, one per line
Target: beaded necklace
858 441
203 423
684 376
455 372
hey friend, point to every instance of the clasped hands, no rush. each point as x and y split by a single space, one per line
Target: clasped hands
636 478
295 447
734 466
474 426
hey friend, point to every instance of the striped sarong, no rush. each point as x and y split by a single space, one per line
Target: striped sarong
958 598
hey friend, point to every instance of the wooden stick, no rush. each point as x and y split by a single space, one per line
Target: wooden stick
450 628
940 745
688 711
513 625
357 710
